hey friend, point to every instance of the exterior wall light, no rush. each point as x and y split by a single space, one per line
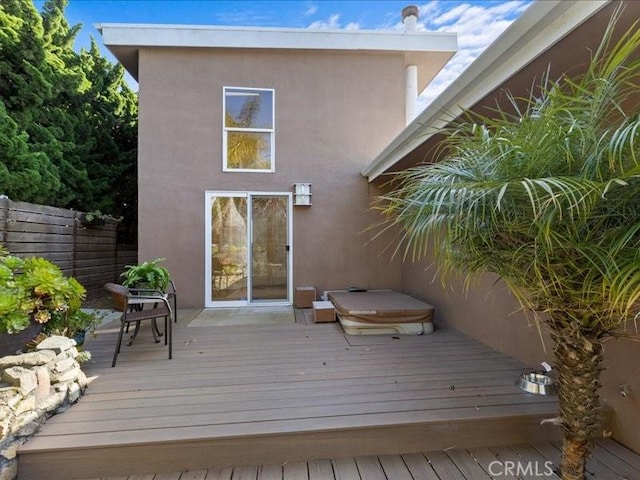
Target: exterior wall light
302 193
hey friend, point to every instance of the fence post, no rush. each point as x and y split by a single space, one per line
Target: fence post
4 215
74 252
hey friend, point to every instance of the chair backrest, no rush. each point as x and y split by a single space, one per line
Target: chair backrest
119 294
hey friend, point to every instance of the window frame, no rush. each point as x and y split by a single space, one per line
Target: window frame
226 130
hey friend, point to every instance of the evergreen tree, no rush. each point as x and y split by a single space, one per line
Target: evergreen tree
23 91
63 115
23 174
112 116
68 131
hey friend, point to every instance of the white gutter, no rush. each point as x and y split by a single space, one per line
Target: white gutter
542 25
429 51
156 35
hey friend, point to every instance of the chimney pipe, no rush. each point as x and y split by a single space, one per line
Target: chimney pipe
410 20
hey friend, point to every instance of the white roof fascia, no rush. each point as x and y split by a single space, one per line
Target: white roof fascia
428 50
543 24
147 35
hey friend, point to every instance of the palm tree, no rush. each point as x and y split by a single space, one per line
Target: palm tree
548 198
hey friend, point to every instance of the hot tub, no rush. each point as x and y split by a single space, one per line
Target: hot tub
381 312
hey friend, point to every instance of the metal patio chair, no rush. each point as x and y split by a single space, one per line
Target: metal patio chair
171 294
137 308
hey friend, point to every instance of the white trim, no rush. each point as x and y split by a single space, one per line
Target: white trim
542 25
159 35
271 132
430 51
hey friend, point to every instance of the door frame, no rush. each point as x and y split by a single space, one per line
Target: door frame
209 302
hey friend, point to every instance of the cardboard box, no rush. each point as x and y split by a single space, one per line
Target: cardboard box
323 312
304 297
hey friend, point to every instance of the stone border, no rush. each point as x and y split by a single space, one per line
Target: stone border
33 387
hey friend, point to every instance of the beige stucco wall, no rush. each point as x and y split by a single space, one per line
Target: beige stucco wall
489 313
334 113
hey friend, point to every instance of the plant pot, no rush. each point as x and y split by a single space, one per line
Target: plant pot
79 337
12 343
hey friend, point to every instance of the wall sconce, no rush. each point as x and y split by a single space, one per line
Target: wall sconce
302 193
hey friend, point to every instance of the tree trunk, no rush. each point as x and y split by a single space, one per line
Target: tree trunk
579 363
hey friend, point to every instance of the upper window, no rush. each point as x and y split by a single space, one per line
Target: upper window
248 138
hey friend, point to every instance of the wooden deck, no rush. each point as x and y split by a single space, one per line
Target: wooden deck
265 395
609 461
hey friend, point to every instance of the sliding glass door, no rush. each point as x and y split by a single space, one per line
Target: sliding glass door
248 248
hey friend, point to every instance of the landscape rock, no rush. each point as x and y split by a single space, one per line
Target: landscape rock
33 387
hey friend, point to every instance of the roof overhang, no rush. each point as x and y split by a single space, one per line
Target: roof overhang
539 28
429 51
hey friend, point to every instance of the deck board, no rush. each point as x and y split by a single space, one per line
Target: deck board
394 467
458 464
467 465
621 452
345 468
218 474
295 471
444 466
615 463
531 455
270 472
487 460
370 468
419 467
320 470
287 395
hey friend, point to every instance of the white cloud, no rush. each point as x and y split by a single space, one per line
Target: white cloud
333 23
477 27
451 15
311 9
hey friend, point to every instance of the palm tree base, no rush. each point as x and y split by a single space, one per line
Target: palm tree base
579 363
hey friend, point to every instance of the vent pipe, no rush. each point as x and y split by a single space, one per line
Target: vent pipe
410 20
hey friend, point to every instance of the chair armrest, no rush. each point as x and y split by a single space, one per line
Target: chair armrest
145 291
146 299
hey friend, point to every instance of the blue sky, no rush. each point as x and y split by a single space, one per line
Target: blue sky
477 23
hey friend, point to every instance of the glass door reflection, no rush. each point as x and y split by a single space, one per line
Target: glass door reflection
269 248
229 234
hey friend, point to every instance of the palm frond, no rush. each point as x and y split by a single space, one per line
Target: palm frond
547 195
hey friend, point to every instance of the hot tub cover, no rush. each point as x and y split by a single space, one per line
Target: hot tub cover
381 306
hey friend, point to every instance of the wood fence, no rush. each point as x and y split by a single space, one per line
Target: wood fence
91 254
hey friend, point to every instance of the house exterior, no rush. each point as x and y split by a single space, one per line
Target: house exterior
554 35
233 121
338 120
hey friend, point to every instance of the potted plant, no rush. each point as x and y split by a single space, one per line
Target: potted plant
35 295
149 275
96 217
73 324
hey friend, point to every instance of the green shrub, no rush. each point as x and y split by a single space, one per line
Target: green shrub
34 289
